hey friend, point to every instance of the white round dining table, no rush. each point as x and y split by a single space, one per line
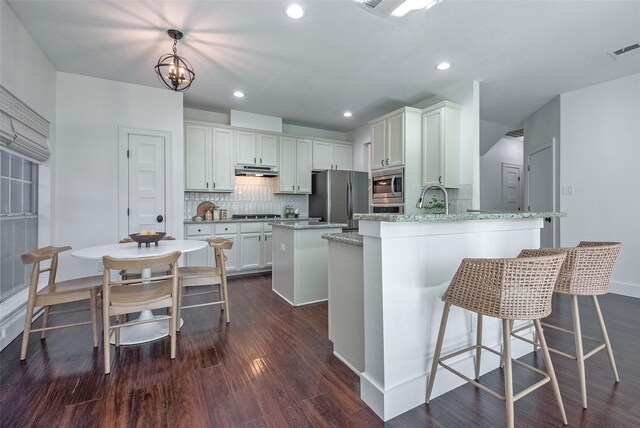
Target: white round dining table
146 332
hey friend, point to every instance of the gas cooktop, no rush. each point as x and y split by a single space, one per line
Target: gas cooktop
256 216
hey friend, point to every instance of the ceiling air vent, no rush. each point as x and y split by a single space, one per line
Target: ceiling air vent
626 52
380 7
515 133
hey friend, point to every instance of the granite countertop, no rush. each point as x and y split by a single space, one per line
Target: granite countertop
301 225
250 220
456 216
350 238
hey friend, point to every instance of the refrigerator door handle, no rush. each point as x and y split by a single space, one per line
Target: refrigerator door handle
349 201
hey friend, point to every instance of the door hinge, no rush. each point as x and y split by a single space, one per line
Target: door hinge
528 207
518 178
127 153
128 212
528 167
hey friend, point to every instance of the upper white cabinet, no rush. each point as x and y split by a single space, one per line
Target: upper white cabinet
389 139
295 166
208 158
441 145
329 155
256 149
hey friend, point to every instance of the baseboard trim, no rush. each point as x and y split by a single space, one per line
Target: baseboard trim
625 289
346 363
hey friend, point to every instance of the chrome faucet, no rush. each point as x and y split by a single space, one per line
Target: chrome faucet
434 186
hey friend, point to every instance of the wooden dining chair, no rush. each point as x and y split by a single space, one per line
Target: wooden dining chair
56 292
200 276
125 296
136 274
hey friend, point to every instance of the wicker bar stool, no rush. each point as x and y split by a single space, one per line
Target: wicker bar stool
586 272
508 289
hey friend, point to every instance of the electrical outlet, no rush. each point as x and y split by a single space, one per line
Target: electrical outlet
282 248
568 190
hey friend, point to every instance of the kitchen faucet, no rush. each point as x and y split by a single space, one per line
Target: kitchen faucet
435 186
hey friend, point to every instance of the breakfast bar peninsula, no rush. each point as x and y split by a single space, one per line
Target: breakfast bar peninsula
408 261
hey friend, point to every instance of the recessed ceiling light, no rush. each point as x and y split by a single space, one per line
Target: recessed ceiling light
294 11
443 66
347 114
238 94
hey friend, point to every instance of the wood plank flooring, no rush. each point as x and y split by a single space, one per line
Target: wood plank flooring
273 367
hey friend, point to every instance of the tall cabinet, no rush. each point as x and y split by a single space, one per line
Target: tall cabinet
441 145
295 166
208 158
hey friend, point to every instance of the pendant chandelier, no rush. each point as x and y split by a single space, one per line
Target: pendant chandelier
175 72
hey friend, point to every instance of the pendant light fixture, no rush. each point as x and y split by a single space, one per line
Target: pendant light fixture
175 72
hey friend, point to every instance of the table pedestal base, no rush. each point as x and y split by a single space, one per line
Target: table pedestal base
142 333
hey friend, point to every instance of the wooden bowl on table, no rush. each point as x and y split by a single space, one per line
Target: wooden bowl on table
147 239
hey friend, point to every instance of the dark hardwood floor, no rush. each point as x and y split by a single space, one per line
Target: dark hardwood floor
273 367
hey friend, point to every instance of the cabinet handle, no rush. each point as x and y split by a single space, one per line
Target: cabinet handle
207 184
440 179
387 162
254 160
382 162
258 238
260 161
293 187
265 238
298 187
214 184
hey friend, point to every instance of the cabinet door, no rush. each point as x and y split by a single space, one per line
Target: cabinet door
232 254
197 157
267 250
432 147
223 168
378 150
268 154
203 257
343 157
395 141
250 245
246 148
304 159
322 155
287 173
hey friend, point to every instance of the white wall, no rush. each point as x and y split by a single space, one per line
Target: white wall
90 110
600 133
508 150
206 116
490 134
27 73
360 137
313 132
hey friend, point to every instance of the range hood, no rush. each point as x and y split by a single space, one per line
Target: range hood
257 171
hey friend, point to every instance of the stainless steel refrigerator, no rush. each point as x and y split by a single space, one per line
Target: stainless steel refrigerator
337 195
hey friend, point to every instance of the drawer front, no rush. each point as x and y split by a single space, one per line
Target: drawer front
225 228
250 227
198 230
267 227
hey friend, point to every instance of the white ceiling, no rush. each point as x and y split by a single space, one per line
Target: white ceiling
340 57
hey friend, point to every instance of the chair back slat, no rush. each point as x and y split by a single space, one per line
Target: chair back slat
140 263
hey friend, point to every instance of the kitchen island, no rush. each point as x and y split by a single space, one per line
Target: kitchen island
408 261
300 260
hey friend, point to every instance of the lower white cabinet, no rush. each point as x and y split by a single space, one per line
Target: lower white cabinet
251 249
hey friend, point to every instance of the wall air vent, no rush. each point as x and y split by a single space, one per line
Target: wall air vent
625 52
515 133
380 7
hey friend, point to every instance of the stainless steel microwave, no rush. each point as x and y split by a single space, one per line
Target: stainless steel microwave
387 187
387 209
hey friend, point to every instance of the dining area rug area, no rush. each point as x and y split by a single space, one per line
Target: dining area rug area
273 366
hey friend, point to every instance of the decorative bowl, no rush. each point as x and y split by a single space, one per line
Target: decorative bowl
147 239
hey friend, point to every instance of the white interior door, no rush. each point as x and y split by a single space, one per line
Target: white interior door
511 188
146 165
540 192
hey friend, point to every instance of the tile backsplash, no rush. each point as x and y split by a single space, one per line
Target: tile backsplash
251 195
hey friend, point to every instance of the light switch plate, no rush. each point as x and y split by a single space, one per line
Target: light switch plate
282 248
568 190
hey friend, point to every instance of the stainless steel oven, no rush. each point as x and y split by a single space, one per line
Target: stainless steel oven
387 209
387 187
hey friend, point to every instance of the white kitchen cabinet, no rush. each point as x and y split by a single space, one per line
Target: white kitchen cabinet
232 254
267 250
330 155
295 166
256 149
208 158
388 140
255 246
441 145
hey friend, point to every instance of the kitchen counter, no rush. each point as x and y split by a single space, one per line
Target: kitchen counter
350 238
303 225
457 216
251 220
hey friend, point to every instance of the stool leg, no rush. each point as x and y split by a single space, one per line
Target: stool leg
478 343
508 379
552 374
579 350
93 301
510 324
605 336
180 294
436 354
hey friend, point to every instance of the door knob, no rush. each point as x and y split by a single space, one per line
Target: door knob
159 219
